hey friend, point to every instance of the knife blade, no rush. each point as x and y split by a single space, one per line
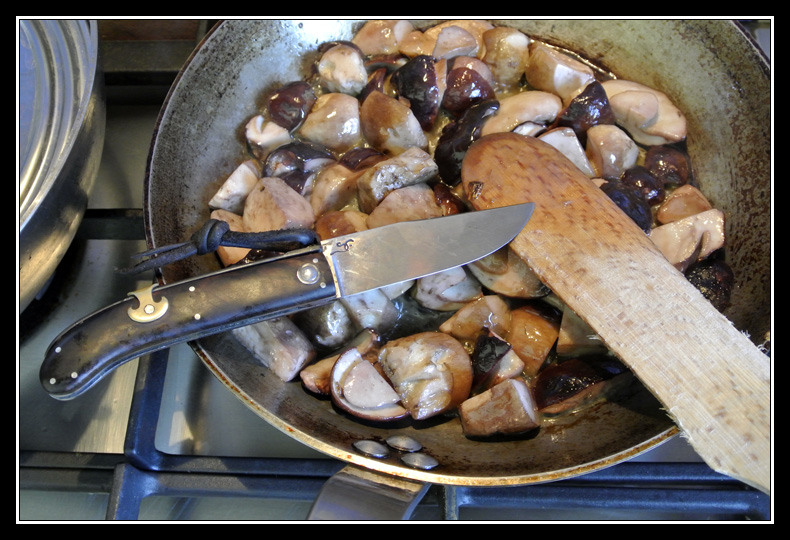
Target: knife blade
159 317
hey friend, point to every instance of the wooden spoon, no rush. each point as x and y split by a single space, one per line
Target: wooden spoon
712 380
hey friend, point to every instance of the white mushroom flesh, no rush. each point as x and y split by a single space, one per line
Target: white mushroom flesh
233 192
382 36
610 150
279 345
554 71
264 136
334 122
690 239
273 205
342 69
565 140
530 106
431 372
506 55
646 113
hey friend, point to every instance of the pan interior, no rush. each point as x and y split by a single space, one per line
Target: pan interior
199 141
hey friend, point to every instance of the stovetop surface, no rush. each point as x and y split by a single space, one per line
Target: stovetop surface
80 447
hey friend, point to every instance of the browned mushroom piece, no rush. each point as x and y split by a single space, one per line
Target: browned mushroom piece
533 334
493 361
489 311
408 203
506 409
431 372
566 386
389 125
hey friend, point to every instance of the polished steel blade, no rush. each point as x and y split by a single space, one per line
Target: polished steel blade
409 250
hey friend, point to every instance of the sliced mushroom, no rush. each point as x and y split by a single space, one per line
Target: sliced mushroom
529 106
382 36
587 109
646 113
342 69
473 63
273 205
454 41
683 202
431 372
297 156
551 70
421 82
408 203
290 104
610 150
413 166
506 409
449 290
489 312
475 27
565 140
334 187
690 239
465 87
506 55
359 389
505 273
334 122
493 361
317 376
233 192
264 136
389 125
457 136
533 333
279 345
230 255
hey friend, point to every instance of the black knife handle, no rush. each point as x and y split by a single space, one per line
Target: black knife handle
183 311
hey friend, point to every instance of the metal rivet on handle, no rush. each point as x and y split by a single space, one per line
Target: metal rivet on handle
404 443
419 461
372 449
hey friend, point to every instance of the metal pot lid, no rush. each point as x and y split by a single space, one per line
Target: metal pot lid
57 66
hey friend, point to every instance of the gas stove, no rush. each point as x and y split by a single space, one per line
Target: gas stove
162 439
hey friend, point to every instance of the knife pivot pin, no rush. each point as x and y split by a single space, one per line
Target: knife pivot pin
148 309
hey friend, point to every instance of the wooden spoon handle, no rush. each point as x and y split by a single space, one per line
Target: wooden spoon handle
713 381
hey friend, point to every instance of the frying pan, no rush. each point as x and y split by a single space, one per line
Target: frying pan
712 70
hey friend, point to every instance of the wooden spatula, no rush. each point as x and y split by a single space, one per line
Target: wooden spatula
712 380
